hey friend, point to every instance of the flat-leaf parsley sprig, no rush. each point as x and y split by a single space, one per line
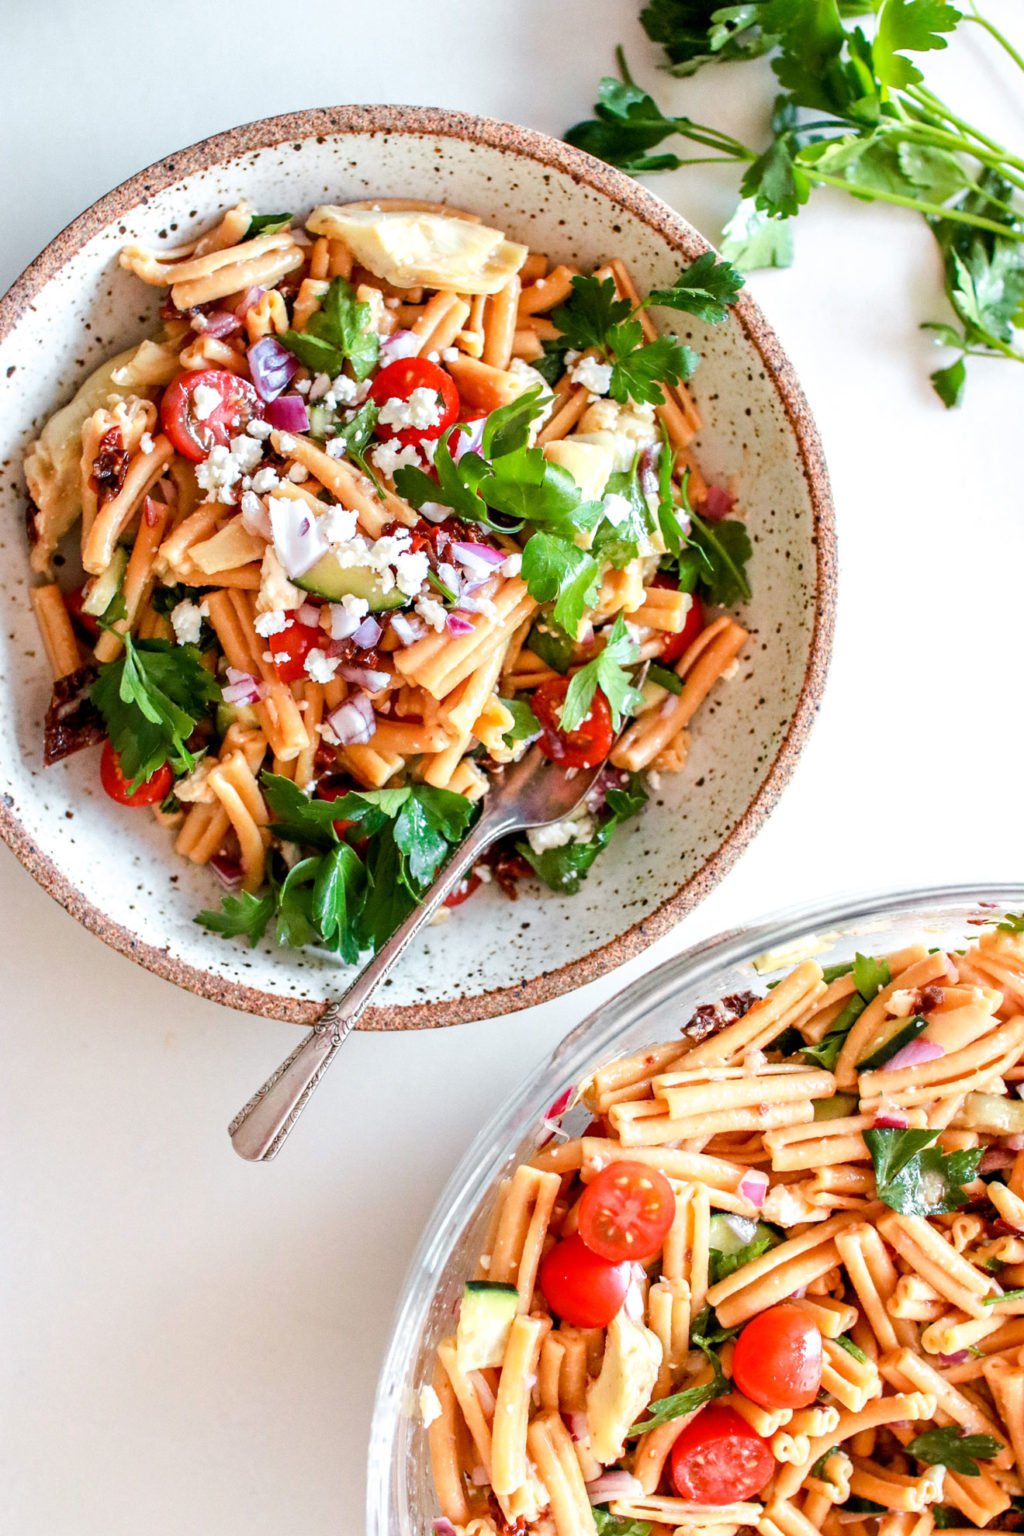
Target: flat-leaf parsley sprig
853 112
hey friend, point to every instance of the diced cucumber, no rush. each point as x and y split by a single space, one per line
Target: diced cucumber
908 1030
836 1108
728 1234
995 1114
106 586
236 714
332 580
485 1320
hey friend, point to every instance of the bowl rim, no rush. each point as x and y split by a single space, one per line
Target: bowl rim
488 1156
320 123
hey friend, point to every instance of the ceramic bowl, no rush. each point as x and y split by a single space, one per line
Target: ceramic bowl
117 874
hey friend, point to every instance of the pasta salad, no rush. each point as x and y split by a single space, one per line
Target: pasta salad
777 1282
388 499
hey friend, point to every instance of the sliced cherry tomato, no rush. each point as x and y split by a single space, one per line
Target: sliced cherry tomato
119 788
581 1288
73 601
676 645
626 1211
397 382
464 890
584 747
778 1359
194 435
719 1459
290 648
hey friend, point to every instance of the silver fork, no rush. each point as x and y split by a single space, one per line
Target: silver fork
531 793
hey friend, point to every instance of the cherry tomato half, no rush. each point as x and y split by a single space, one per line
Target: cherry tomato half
626 1211
464 890
194 435
290 649
397 382
581 1288
676 645
584 747
719 1459
778 1359
73 601
152 792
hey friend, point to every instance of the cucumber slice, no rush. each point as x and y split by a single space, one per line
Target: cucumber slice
836 1108
908 1030
329 579
485 1320
236 714
106 586
728 1234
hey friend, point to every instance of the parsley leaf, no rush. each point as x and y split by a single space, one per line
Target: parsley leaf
608 672
591 313
681 1403
241 916
296 817
845 1342
949 1447
826 1052
525 725
557 569
870 975
706 1332
949 383
620 542
429 824
665 678
696 32
916 25
151 699
1013 922
550 647
706 288
761 1239
508 428
337 889
340 331
754 238
639 373
295 925
267 224
563 869
724 548
916 1178
594 317
611 1525
356 434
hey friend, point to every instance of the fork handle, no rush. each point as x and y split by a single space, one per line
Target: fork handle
260 1129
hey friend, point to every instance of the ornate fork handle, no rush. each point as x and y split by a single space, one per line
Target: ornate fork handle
260 1129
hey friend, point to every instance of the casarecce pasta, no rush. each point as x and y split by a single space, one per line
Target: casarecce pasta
388 498
697 1314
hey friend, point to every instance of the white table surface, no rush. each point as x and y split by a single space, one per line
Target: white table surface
191 1344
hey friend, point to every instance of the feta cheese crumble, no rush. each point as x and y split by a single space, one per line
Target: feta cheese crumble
422 409
593 375
270 623
321 667
560 833
392 455
187 621
205 400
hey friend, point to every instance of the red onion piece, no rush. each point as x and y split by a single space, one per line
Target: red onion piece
914 1054
467 442
443 1527
717 503
754 1186
477 559
994 1158
297 536
647 469
228 871
560 1105
458 624
343 623
272 367
221 323
288 414
365 677
367 635
961 1356
242 688
891 1118
251 296
309 615
616 1483
408 630
353 722
399 344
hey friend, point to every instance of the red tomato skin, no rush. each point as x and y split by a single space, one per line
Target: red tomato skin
397 382
585 747
73 601
294 643
580 1288
152 792
464 890
194 438
779 1359
636 1203
677 645
718 1458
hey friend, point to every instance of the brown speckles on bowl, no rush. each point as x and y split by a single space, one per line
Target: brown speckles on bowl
73 307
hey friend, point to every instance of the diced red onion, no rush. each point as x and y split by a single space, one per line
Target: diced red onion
353 722
309 615
647 469
220 323
959 1358
367 635
365 677
242 688
914 1054
399 344
252 296
151 512
228 871
477 559
994 1158
754 1186
443 1527
616 1483
554 1132
890 1118
560 1105
467 442
272 367
458 624
297 536
408 630
579 1428
451 577
717 503
288 414
343 623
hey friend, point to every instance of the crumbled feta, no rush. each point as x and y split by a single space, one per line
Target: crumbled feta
265 480
411 572
616 508
512 564
302 386
258 428
187 621
193 789
276 591
392 455
199 323
431 612
338 525
321 667
430 1406
219 473
146 442
902 1004
254 515
422 409
560 833
205 400
298 473
595 376
283 442
351 610
434 511
731 671
270 623
319 387
451 354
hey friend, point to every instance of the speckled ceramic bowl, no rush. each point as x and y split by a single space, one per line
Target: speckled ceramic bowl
117 874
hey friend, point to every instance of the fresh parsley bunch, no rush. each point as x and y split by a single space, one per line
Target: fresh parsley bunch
151 699
852 112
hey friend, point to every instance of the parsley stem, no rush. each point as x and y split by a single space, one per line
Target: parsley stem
994 32
930 210
941 138
928 101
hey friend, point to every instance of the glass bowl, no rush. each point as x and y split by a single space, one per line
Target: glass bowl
400 1497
